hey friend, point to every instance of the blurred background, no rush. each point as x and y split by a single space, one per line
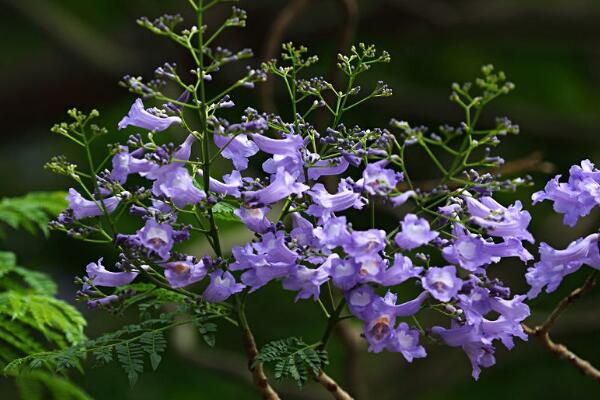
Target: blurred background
58 54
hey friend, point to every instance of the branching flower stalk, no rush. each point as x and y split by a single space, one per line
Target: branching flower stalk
439 258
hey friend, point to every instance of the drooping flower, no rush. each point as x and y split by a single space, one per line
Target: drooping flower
334 166
286 154
577 196
175 182
230 185
378 180
511 222
283 185
471 251
157 238
400 271
184 273
308 281
325 203
406 341
470 338
237 148
442 283
415 232
138 116
255 218
554 264
100 276
83 208
222 285
333 233
125 163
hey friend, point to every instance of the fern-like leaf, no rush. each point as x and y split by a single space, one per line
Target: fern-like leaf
31 212
131 357
293 359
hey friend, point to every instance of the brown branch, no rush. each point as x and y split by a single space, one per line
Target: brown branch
589 283
332 387
533 162
258 372
227 363
272 45
560 350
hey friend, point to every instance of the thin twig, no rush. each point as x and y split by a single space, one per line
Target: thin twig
258 372
542 332
564 353
534 162
272 46
332 387
589 283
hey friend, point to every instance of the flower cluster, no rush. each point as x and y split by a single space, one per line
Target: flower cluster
300 198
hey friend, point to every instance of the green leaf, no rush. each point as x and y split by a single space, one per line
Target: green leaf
293 359
31 212
224 211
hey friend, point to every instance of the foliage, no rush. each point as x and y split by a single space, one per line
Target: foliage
31 212
130 346
293 359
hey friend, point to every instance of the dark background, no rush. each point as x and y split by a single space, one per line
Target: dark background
56 54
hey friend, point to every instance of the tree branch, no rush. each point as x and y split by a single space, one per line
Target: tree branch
560 350
332 387
258 372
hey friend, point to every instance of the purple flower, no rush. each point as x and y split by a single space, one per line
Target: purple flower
370 267
406 341
175 182
138 116
442 283
360 299
402 198
366 243
237 148
470 338
100 276
290 146
326 203
125 163
157 237
258 269
222 285
577 197
415 232
273 245
286 154
554 264
302 230
471 251
184 273
255 219
308 281
230 185
282 186
334 166
377 180
401 270
380 319
83 208
344 273
104 301
333 233
499 220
